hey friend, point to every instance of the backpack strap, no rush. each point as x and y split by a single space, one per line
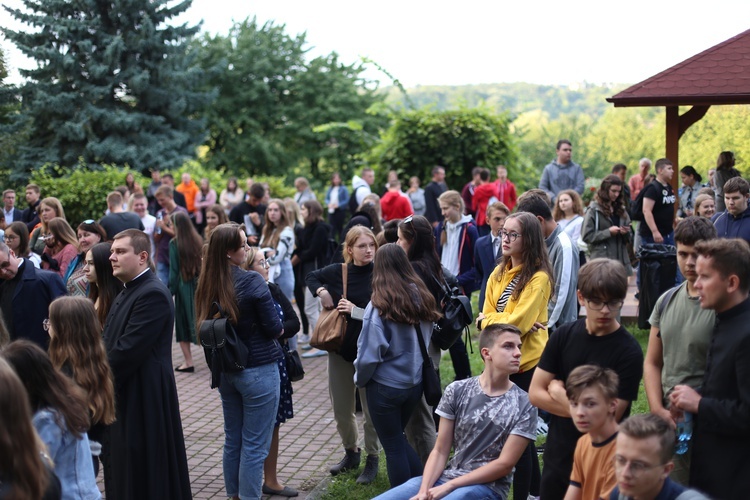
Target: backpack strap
667 298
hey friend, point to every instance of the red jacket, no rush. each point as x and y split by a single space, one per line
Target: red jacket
395 205
506 193
482 195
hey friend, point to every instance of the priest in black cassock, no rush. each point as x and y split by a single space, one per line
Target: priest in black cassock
146 446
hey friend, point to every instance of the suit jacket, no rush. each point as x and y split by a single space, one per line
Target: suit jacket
485 263
146 444
17 216
31 300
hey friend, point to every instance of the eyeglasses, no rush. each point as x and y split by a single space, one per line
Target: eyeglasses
509 236
598 305
45 325
264 264
9 237
636 468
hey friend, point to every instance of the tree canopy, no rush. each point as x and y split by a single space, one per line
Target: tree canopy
112 85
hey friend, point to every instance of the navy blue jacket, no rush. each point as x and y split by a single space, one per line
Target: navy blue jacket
484 263
467 277
730 226
258 325
31 300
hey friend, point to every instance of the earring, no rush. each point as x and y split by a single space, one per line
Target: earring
228 257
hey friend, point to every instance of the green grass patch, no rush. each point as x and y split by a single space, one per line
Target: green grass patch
345 485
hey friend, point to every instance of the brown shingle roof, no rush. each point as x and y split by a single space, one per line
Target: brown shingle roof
719 75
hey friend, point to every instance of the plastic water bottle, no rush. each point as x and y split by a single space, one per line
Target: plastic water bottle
160 216
684 433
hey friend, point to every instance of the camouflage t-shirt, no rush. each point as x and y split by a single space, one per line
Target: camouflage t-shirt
482 425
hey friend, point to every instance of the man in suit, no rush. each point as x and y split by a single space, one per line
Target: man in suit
25 295
11 213
487 249
146 444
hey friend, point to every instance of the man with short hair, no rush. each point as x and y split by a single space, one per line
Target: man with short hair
638 181
146 445
596 339
164 231
488 422
25 295
251 212
562 173
140 208
720 464
432 192
621 171
643 461
33 198
734 222
680 334
506 190
658 206
394 204
118 220
10 211
361 188
691 184
179 198
467 193
563 254
487 249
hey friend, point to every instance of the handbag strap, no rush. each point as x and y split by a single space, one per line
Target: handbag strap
344 278
422 347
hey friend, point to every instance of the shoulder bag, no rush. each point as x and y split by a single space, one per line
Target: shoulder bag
294 369
224 351
457 316
329 332
430 377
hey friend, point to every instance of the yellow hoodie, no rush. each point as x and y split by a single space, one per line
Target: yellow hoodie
529 308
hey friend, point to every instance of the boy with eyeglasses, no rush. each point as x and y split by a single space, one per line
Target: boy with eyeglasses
643 461
597 339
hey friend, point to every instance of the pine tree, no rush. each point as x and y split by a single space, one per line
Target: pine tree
112 84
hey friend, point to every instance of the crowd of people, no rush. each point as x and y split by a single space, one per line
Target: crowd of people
88 317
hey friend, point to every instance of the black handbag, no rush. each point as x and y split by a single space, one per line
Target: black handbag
294 369
430 378
224 351
457 316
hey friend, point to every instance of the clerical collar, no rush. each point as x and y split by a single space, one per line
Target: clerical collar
139 275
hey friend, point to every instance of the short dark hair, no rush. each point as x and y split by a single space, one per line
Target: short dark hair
437 168
33 187
490 333
603 279
586 376
646 425
693 229
737 184
484 174
729 257
690 170
661 163
475 171
167 176
534 205
138 240
563 141
619 167
257 191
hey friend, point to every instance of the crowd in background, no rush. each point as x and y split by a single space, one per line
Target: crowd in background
88 316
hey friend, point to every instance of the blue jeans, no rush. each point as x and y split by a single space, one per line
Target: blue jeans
162 272
411 488
250 400
390 410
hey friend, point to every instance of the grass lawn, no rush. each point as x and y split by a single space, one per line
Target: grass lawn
345 486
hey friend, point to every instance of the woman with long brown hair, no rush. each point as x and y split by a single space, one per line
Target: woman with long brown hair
249 398
518 291
89 234
215 215
76 349
184 266
61 417
103 286
61 246
49 208
389 359
278 236
24 469
606 226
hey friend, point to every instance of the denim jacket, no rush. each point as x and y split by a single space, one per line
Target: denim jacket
71 456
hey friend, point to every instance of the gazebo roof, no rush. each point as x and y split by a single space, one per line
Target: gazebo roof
719 75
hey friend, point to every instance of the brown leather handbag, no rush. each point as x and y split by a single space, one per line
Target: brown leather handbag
329 332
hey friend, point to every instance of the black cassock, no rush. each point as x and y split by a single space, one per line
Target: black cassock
146 446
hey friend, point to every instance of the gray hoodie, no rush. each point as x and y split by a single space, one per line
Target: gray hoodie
556 178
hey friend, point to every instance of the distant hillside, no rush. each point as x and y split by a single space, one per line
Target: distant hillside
516 98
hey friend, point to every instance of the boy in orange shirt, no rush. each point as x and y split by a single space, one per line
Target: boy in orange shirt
592 392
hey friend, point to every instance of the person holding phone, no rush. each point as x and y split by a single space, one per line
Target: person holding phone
606 226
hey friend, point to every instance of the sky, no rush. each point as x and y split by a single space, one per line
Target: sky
474 41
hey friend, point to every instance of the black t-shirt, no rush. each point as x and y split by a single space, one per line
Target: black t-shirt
664 200
120 221
570 347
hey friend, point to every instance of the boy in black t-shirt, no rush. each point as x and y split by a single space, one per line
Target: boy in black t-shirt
658 206
598 339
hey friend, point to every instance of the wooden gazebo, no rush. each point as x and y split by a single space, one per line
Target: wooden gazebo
719 75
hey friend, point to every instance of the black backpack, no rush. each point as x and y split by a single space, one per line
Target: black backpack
636 212
353 205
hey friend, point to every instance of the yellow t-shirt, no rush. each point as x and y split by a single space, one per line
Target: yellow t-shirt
529 308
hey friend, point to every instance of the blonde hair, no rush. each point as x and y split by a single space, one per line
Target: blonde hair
352 236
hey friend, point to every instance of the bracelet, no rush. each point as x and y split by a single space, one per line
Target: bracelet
317 292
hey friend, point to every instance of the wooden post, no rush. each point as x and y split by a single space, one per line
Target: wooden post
673 144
